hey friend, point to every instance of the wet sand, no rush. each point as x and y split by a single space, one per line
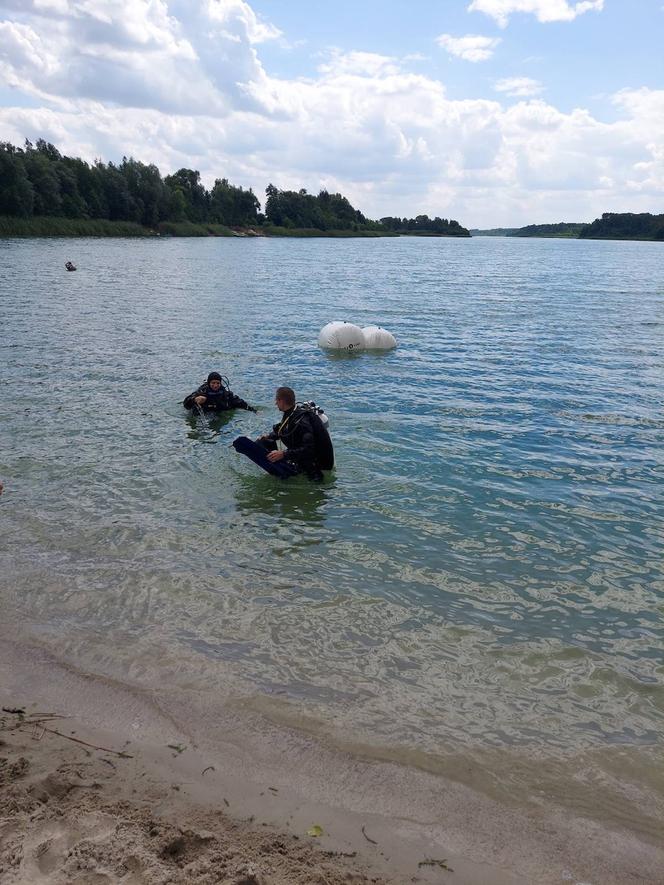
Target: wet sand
170 793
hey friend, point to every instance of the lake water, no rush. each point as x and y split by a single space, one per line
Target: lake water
477 589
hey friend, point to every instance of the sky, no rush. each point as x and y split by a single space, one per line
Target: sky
492 112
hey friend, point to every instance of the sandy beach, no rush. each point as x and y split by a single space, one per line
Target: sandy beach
73 812
101 783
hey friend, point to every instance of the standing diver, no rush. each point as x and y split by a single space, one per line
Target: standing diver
299 443
213 396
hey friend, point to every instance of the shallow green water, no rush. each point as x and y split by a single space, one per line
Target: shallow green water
482 571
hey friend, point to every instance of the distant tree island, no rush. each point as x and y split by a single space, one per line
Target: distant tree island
43 193
493 231
624 226
611 226
562 229
423 226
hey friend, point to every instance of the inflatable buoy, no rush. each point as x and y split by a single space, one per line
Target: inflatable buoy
376 338
341 336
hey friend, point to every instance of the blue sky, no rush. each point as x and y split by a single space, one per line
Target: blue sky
493 112
580 62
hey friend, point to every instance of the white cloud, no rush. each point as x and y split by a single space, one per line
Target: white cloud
361 63
545 10
521 87
472 47
231 12
144 54
23 48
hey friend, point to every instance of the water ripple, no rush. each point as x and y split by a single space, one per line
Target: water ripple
483 570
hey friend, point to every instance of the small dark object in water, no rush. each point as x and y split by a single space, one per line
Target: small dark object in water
69 265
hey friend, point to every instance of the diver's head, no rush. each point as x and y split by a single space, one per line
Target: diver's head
214 381
284 398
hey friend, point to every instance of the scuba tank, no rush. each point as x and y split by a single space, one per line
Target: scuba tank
321 427
312 407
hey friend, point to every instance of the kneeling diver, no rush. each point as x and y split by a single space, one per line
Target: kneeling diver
213 396
299 443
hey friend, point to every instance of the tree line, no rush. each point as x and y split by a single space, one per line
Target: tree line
37 181
298 209
566 229
611 226
424 225
625 226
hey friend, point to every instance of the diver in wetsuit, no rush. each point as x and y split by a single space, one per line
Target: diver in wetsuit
299 443
212 396
292 442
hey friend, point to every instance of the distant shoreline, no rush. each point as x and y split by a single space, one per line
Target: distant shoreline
489 236
74 227
642 226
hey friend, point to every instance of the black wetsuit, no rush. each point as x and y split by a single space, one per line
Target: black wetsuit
216 400
295 431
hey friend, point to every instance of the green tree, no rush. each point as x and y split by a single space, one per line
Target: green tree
91 187
73 205
323 212
16 191
178 206
232 205
45 182
121 206
149 193
196 198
